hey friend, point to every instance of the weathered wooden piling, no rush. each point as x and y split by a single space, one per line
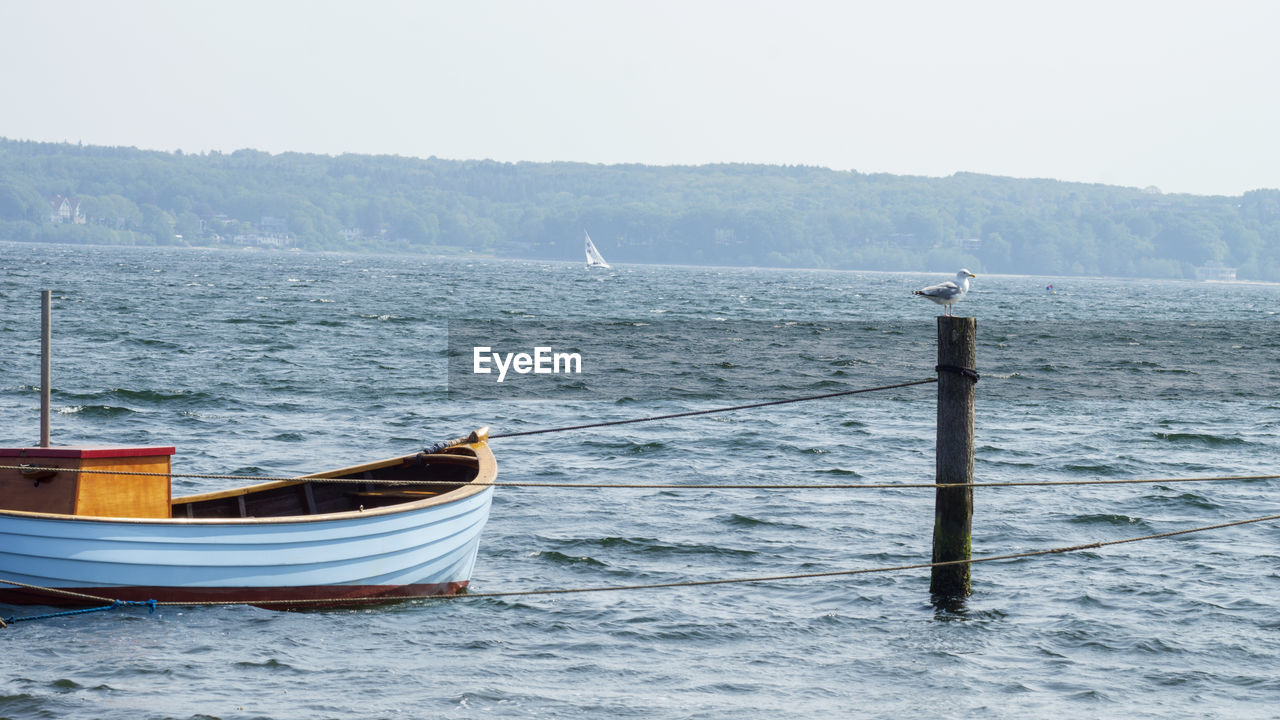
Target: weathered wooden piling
953 507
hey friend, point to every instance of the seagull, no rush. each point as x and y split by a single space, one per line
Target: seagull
948 293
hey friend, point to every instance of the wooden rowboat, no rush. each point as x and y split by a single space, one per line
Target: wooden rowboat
103 524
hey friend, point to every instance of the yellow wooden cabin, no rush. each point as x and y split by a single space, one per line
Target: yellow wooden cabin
93 481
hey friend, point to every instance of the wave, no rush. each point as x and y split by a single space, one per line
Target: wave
96 411
192 397
1183 500
156 344
1201 439
289 437
645 448
559 558
1093 469
653 546
839 471
1113 519
745 521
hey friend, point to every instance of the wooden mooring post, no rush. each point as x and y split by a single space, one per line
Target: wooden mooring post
953 507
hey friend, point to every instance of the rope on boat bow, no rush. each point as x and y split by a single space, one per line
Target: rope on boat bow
476 436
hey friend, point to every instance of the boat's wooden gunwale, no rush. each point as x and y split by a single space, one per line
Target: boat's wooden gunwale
487 472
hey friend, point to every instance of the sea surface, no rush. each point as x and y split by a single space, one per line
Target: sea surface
262 363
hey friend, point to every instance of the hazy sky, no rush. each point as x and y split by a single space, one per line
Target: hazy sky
1180 95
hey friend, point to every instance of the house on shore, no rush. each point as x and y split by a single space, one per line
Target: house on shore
1215 273
66 210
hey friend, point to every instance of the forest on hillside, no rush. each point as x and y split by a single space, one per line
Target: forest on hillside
732 214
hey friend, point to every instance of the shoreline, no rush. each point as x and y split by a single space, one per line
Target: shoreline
457 253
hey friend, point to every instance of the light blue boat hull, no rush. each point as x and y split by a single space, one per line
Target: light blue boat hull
424 547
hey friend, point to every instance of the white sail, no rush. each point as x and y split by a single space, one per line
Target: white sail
594 258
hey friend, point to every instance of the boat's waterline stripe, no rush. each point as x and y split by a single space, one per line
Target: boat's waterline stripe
275 596
299 602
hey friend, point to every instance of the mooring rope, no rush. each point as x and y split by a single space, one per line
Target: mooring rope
653 586
864 571
115 604
441 445
692 413
775 486
665 486
111 603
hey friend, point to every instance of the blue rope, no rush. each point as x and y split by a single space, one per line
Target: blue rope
151 604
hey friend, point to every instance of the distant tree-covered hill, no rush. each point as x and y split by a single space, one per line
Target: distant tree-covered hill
711 214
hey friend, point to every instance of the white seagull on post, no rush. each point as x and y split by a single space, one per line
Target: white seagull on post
948 293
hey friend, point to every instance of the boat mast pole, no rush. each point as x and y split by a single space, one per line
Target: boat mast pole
46 336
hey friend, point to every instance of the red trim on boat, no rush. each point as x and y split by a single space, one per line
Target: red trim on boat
273 598
85 452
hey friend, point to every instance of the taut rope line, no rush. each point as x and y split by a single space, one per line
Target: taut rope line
666 486
691 413
863 571
835 573
686 583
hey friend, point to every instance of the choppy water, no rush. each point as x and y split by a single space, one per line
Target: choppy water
262 363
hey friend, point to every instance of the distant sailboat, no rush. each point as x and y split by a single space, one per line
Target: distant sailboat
594 258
